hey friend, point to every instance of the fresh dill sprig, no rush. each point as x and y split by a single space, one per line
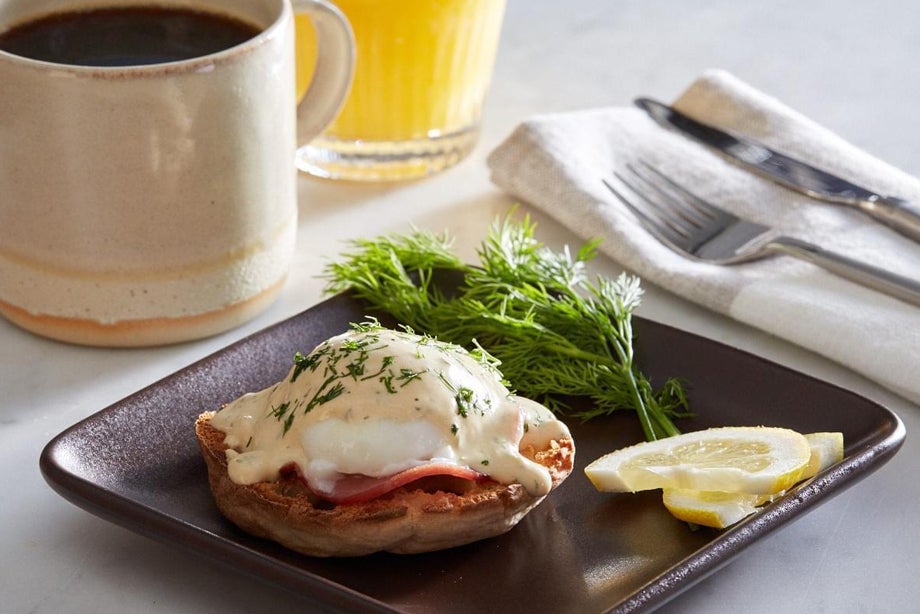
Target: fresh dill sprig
555 333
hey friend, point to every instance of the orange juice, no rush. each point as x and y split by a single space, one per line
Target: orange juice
421 74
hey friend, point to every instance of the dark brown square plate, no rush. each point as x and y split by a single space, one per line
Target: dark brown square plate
136 463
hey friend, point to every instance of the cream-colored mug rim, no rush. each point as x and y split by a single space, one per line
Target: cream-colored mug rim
204 63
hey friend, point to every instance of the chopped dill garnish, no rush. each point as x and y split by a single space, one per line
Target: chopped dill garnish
279 411
465 401
302 363
388 383
407 375
287 423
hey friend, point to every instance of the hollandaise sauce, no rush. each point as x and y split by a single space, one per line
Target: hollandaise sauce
374 408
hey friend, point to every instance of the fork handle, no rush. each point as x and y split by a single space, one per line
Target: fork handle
902 288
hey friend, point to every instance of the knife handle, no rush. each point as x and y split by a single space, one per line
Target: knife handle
896 213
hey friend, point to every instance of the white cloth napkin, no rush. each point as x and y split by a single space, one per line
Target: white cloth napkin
556 162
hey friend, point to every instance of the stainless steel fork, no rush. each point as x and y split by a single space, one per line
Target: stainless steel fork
699 230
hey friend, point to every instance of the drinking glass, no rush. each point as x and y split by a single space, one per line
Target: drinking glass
422 71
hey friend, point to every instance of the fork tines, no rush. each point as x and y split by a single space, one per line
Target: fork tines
674 215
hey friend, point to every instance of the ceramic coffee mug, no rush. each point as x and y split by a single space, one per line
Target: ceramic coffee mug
151 204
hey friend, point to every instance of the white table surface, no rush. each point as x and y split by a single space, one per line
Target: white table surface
851 65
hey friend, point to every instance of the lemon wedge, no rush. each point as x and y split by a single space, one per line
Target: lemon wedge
711 508
826 450
751 460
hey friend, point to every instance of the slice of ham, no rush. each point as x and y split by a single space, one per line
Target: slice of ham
360 488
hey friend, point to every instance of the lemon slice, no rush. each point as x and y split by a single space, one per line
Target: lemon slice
753 460
710 508
826 450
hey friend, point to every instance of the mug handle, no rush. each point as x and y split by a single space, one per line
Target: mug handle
335 66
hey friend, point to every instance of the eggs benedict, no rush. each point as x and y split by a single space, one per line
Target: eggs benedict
383 440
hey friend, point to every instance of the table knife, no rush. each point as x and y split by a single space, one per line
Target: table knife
899 214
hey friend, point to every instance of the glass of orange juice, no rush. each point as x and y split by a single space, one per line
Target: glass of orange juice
422 71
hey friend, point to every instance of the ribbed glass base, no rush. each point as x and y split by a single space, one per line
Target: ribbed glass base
361 160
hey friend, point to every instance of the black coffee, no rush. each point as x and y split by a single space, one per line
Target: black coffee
126 36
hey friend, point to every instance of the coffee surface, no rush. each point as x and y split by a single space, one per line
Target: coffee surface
125 36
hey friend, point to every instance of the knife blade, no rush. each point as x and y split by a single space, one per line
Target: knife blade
896 213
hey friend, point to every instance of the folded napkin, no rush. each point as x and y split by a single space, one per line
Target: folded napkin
556 162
